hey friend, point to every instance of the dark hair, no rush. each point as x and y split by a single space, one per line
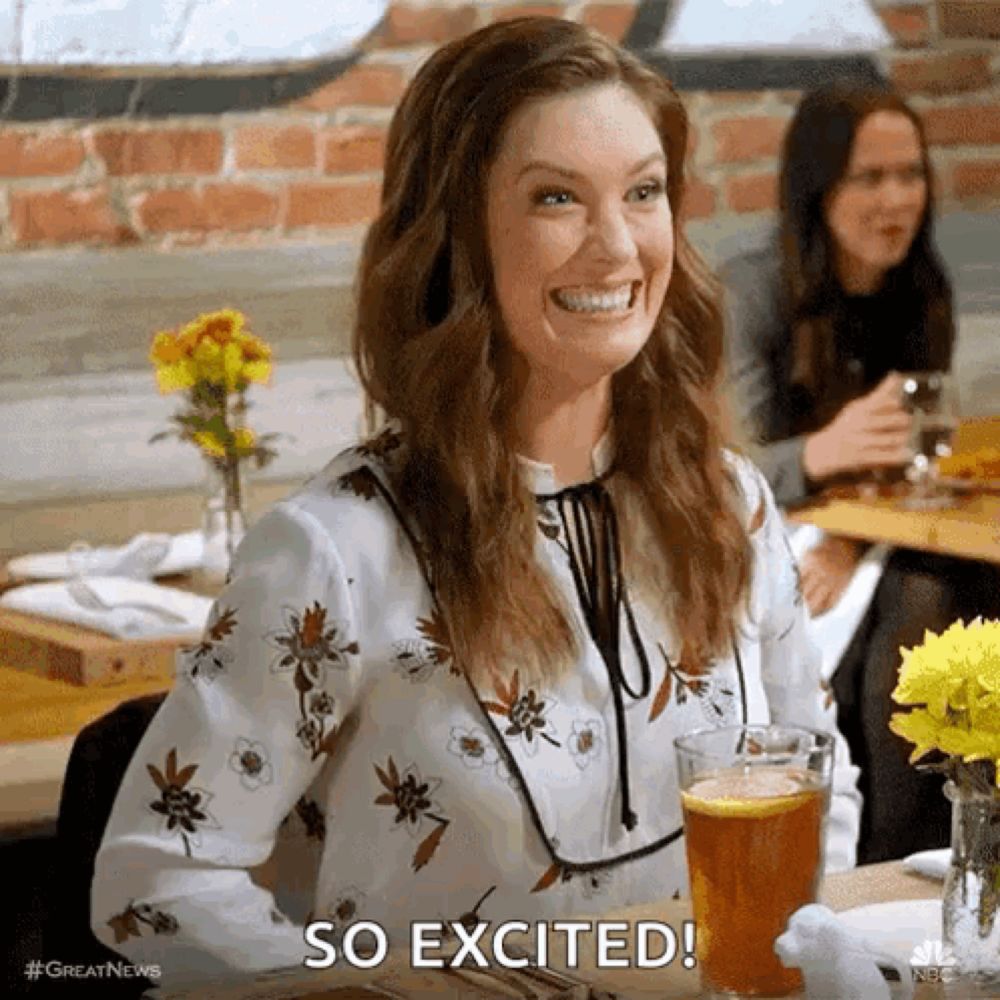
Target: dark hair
430 352
815 157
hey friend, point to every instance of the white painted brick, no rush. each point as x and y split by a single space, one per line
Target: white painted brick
185 32
8 31
775 25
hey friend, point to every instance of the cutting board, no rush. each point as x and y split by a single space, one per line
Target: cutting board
78 655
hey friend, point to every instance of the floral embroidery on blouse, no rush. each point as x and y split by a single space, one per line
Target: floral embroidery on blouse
413 659
554 873
250 761
382 445
473 746
311 816
435 633
681 681
210 657
410 795
360 482
126 924
345 910
308 645
585 741
416 659
471 918
525 714
184 809
718 703
593 885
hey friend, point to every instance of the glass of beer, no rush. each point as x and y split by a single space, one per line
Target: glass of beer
755 800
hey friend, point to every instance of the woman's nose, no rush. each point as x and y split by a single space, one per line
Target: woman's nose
898 191
612 236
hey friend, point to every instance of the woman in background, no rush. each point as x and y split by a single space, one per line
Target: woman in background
465 647
820 327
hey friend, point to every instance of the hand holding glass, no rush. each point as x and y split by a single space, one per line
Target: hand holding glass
931 398
755 801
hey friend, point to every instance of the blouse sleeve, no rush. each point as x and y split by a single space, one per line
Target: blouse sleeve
790 668
241 735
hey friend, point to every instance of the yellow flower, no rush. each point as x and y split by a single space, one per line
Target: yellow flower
166 349
173 367
214 358
221 326
209 444
244 440
220 351
952 681
256 358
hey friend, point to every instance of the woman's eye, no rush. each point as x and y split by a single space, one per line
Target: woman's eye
648 190
553 196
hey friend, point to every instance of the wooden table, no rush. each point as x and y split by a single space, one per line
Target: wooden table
970 528
870 884
39 719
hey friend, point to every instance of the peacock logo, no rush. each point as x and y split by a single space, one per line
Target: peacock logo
932 953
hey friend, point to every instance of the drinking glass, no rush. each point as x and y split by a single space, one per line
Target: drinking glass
932 400
755 801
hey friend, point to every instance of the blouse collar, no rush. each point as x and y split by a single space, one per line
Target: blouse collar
540 477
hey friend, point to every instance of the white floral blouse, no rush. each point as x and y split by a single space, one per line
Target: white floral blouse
322 712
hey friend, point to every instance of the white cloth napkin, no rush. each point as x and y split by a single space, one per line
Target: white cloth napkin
932 864
132 606
145 556
832 630
837 962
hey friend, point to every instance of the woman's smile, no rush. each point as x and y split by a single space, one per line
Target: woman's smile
597 302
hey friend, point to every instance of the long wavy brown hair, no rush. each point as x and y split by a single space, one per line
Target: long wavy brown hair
815 156
431 353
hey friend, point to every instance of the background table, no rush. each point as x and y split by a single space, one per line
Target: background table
969 528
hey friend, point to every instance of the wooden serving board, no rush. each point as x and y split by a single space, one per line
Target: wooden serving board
65 652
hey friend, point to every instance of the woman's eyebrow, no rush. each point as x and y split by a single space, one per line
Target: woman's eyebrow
574 175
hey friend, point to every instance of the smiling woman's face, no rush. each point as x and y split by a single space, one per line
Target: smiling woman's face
580 233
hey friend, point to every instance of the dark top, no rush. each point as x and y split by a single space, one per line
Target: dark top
873 335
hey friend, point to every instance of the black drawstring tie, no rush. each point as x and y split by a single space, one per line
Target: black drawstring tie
590 525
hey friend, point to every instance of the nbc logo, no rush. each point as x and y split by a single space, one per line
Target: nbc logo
932 953
933 962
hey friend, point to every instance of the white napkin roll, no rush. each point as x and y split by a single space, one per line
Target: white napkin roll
838 963
144 556
124 620
932 864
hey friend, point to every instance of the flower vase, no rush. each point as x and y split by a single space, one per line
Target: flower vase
224 519
971 904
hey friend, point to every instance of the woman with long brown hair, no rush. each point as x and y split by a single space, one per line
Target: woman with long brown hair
471 640
823 319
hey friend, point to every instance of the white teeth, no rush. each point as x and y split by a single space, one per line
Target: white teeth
574 301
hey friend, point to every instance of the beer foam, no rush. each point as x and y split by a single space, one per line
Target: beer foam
756 791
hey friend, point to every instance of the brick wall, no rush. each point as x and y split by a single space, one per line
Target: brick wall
310 170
